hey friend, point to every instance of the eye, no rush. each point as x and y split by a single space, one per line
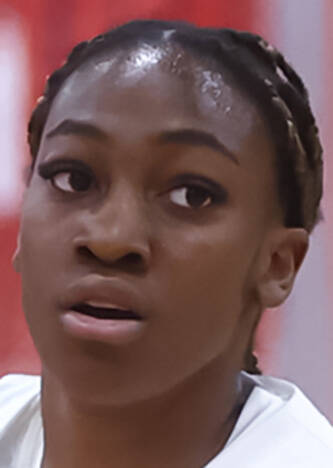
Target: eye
66 175
195 196
71 181
196 191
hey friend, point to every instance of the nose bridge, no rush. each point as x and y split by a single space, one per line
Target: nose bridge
118 227
122 208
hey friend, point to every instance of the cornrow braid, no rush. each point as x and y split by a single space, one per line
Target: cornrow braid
261 71
295 132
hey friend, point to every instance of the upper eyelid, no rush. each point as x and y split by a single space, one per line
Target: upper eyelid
62 160
217 193
63 164
199 181
46 168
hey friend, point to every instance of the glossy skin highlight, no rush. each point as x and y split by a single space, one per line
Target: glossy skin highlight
203 275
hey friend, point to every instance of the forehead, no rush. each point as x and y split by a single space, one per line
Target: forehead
134 96
158 81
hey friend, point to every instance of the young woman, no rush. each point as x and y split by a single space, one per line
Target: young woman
176 176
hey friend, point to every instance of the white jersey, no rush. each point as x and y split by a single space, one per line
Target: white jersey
278 427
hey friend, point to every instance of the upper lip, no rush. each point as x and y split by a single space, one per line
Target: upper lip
97 289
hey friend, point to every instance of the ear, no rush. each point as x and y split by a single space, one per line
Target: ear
16 255
282 258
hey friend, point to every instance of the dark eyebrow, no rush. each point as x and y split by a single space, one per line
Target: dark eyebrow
187 136
196 138
76 127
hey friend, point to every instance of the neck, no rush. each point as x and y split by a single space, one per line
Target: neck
186 427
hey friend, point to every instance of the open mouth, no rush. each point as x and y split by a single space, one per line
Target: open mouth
105 313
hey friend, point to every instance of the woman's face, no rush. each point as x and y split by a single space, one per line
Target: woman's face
161 197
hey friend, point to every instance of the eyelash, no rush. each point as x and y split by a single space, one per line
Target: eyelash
49 170
210 189
216 193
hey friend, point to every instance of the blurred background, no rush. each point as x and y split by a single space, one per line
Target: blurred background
294 342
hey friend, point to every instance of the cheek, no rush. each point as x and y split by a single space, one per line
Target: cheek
205 281
43 242
45 231
216 257
44 259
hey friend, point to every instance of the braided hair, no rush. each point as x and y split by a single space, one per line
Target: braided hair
256 67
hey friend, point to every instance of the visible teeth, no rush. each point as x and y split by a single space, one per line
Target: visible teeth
104 305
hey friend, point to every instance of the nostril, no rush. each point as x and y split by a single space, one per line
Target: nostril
131 261
85 252
133 258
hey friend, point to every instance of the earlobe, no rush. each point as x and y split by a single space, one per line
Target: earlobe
283 260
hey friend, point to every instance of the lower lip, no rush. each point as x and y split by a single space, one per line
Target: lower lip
110 331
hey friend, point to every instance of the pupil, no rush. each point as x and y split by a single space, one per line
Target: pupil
196 196
79 181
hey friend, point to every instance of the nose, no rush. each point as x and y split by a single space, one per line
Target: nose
116 233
